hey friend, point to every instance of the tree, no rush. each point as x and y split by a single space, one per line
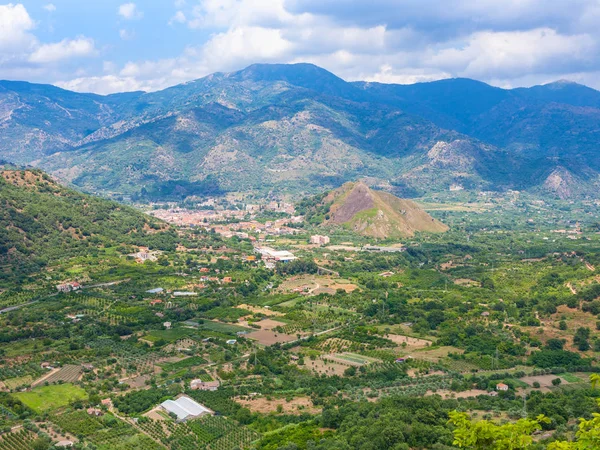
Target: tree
486 435
556 382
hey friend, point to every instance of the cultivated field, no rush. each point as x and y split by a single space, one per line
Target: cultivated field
47 398
266 337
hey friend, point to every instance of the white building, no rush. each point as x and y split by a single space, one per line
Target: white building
185 408
319 240
269 254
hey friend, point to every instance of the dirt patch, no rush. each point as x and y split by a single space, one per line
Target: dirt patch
263 405
412 343
464 394
267 337
269 324
544 380
321 366
467 282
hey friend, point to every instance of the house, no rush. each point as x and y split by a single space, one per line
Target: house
386 274
227 280
493 394
485 314
231 342
64 444
155 302
46 365
502 387
95 412
204 270
106 402
167 325
319 240
68 287
184 408
88 367
199 385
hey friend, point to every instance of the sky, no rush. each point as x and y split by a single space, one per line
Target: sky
108 46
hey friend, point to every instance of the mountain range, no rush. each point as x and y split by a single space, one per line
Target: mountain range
299 128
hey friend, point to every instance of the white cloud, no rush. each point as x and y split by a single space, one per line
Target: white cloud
129 11
65 49
108 84
50 7
15 28
503 54
179 17
245 45
126 35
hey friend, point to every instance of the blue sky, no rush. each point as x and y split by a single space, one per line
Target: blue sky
110 46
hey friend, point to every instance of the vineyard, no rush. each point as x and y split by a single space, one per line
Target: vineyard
67 374
8 299
209 432
106 433
19 440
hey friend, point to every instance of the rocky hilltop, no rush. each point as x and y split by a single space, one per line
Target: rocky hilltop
377 214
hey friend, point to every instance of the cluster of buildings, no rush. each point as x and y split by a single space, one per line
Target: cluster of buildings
68 287
271 256
144 255
199 385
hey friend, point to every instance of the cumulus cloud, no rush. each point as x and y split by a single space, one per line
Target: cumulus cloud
15 29
178 17
504 42
107 84
129 11
65 49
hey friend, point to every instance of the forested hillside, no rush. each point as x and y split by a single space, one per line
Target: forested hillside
43 221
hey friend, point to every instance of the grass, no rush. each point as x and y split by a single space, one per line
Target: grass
168 335
220 327
47 398
569 377
12 383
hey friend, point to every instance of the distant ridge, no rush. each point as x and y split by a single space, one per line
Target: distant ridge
300 129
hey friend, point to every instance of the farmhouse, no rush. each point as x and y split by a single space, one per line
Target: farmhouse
185 408
199 385
68 287
502 387
319 240
95 412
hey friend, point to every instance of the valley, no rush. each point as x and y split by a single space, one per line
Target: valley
275 326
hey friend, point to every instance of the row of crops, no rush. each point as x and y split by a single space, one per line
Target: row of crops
19 440
106 433
208 432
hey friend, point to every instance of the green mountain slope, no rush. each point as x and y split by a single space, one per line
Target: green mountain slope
42 221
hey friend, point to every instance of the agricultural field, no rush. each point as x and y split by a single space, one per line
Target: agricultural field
67 374
48 398
17 440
